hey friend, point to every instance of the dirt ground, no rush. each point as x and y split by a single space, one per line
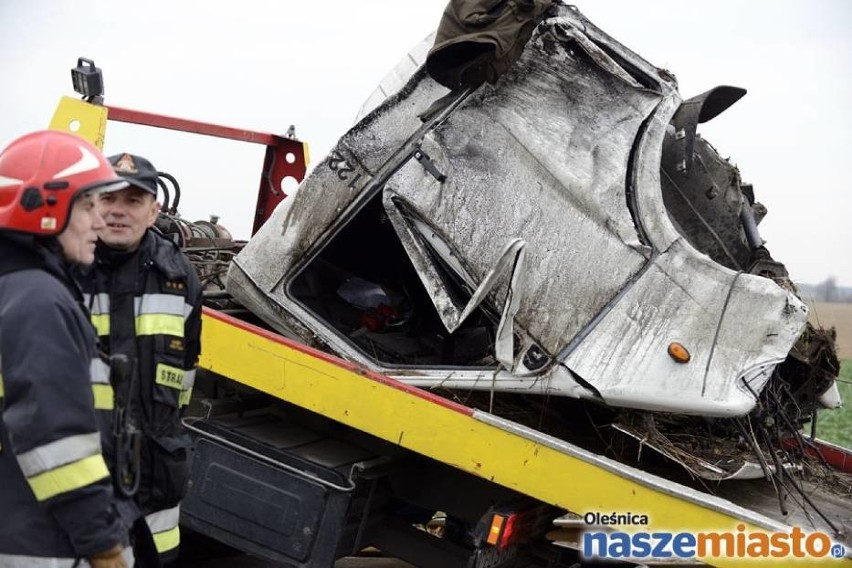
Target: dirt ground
838 315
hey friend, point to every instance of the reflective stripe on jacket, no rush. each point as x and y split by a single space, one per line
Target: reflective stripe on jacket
166 324
19 561
165 529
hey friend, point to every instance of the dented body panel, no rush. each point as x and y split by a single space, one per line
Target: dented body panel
517 236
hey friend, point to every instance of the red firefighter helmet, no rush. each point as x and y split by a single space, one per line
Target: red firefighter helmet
41 174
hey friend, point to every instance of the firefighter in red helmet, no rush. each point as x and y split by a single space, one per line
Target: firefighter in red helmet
56 493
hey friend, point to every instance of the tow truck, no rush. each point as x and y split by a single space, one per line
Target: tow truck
304 455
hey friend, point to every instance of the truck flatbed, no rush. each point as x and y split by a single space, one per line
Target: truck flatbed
509 454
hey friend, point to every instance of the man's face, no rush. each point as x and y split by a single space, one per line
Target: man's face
80 235
128 213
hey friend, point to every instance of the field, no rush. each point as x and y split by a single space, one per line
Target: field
838 316
836 425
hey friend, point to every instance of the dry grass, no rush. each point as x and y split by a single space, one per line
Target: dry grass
839 316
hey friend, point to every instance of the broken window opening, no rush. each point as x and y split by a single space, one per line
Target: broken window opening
363 285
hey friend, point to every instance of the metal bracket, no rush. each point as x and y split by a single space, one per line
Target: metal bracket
427 163
700 109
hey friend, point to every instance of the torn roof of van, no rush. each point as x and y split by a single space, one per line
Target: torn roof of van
521 226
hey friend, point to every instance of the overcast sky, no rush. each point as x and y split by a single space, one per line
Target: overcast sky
266 64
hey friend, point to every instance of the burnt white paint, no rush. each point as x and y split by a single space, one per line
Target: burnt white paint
542 157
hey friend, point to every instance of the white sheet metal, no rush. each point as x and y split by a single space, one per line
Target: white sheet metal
563 154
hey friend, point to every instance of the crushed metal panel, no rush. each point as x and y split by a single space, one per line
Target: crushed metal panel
542 157
323 201
733 326
398 76
563 153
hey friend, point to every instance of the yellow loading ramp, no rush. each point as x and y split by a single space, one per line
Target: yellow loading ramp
525 460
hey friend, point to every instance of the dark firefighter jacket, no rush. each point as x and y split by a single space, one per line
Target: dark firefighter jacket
56 495
147 305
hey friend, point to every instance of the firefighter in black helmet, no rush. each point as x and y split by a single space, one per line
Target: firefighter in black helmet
145 300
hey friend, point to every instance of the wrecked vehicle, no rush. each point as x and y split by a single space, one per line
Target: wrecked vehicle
555 229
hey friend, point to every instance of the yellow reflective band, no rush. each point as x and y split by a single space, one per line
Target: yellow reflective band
104 397
1 385
169 376
185 397
101 323
68 477
167 540
155 324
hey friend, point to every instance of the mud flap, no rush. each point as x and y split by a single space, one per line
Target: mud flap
700 109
